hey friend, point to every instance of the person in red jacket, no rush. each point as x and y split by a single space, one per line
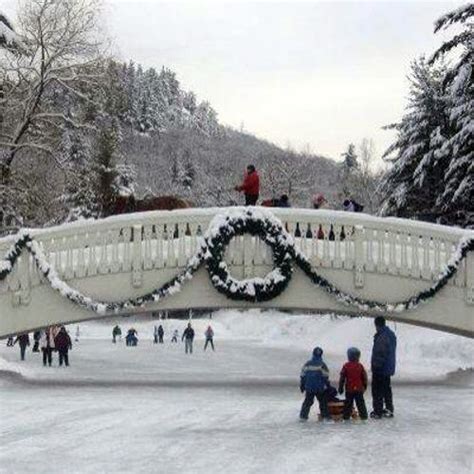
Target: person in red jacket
63 343
251 186
354 378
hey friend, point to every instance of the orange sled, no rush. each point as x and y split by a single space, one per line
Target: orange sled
336 410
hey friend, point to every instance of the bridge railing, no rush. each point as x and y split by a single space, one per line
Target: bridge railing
330 239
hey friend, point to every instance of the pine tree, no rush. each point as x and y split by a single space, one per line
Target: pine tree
410 187
456 201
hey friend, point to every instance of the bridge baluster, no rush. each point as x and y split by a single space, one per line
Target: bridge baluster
147 247
103 259
126 253
159 261
381 265
359 260
369 259
114 251
69 243
469 278
415 256
426 246
260 250
80 267
326 260
182 258
404 270
248 243
137 259
437 257
193 238
349 247
392 253
337 262
93 239
316 245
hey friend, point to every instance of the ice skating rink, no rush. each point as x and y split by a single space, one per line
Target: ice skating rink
151 408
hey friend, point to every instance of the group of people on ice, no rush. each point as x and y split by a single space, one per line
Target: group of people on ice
250 186
49 340
353 380
131 339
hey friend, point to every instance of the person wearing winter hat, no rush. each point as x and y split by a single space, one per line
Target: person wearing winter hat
314 379
353 379
318 201
383 368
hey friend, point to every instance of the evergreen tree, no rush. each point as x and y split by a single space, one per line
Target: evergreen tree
410 187
456 201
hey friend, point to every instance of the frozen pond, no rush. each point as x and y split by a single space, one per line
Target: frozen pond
154 409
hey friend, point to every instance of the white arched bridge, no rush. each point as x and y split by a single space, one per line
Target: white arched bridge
295 259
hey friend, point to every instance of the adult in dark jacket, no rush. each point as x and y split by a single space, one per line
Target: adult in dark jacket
250 186
314 380
63 343
23 341
36 338
284 201
188 337
383 368
161 333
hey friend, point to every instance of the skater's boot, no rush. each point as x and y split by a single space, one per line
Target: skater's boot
387 413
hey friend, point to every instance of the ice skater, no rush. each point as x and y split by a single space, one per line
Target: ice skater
63 344
46 345
161 333
313 380
188 337
116 332
353 380
209 334
23 340
175 336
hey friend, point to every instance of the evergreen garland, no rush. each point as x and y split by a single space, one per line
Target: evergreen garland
222 229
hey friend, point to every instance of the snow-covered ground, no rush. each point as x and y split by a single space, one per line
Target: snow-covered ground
151 408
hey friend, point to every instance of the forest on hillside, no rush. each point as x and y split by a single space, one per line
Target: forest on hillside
79 129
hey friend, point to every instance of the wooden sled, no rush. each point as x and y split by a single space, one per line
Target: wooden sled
336 410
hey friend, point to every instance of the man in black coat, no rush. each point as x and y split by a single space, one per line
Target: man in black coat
383 368
63 343
188 337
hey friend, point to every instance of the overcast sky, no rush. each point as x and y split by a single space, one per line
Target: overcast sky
317 73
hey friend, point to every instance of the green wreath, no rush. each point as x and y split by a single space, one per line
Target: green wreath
253 289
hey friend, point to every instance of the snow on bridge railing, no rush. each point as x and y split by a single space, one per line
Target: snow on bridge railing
167 239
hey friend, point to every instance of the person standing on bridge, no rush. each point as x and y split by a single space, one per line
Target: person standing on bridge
63 343
188 337
23 340
250 186
383 368
314 380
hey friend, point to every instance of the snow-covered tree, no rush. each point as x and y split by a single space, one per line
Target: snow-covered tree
456 201
411 185
61 54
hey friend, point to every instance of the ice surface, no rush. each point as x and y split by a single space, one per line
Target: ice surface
154 409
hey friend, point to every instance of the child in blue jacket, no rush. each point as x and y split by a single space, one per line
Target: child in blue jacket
314 380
